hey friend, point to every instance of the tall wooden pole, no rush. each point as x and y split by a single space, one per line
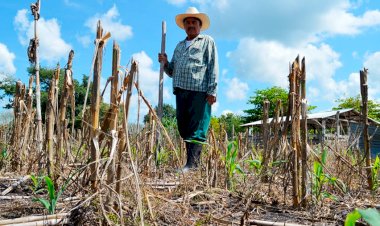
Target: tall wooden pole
161 81
303 133
160 110
36 13
295 129
266 136
367 151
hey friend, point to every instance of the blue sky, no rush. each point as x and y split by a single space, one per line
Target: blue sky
256 40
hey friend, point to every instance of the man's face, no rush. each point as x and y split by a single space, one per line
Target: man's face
192 27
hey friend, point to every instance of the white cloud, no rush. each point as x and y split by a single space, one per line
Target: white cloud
289 21
349 87
52 47
313 92
268 61
235 112
372 64
215 107
340 21
6 60
111 22
227 111
236 90
84 40
71 3
148 80
176 2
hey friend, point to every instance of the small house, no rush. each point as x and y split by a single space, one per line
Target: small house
343 124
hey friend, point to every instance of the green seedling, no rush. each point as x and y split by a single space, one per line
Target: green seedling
371 216
320 179
231 164
36 187
256 164
162 157
51 203
375 173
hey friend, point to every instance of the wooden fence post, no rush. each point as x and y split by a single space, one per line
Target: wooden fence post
294 141
266 135
367 151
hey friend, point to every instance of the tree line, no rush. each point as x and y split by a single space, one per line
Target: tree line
230 122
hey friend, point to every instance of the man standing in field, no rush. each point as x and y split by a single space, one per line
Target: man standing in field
194 69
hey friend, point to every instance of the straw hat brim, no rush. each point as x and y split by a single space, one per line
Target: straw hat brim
201 16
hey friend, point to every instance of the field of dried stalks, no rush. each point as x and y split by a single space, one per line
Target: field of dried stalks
108 172
154 193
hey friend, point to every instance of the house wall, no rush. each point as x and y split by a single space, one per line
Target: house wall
374 134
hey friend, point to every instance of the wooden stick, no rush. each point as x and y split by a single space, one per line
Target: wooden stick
270 223
160 110
14 185
161 81
367 151
34 219
14 197
160 124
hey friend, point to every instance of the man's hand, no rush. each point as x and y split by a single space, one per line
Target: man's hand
211 99
163 58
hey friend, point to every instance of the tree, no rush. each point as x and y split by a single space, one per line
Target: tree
169 119
271 94
8 87
231 123
356 102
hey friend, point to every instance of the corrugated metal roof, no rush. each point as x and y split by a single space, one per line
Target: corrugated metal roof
319 115
328 114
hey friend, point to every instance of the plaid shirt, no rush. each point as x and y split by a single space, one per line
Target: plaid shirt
196 67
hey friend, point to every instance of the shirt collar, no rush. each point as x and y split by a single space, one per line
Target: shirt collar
200 36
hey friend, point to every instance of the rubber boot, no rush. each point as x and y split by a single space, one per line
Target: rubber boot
193 156
197 150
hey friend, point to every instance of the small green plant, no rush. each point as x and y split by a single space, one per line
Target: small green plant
162 157
256 164
3 157
231 164
371 216
375 173
320 179
36 187
51 203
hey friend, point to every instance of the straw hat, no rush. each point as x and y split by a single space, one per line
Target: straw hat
193 12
